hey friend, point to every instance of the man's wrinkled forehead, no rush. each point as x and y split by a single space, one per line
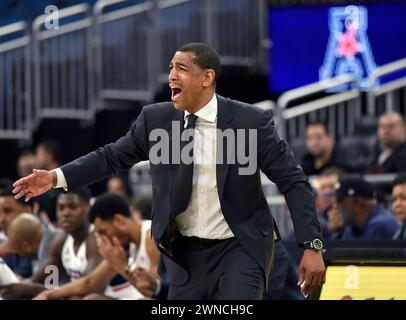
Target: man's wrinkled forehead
184 58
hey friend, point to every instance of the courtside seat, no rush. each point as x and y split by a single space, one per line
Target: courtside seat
357 152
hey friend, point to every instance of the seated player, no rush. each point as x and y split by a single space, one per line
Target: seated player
125 246
74 252
10 208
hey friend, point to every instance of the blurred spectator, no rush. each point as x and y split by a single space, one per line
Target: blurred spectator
26 236
399 205
118 186
364 218
49 156
326 189
322 153
391 156
29 238
10 208
26 162
335 222
141 207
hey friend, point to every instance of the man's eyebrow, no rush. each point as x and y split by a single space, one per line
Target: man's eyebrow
179 63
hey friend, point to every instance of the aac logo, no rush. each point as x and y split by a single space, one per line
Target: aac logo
352 277
348 49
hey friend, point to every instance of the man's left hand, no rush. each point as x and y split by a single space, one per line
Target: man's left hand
312 272
140 279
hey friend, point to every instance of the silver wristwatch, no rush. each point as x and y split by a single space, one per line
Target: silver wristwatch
315 244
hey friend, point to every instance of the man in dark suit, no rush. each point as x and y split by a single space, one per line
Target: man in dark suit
210 218
390 157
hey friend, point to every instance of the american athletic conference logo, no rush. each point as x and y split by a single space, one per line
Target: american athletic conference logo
348 48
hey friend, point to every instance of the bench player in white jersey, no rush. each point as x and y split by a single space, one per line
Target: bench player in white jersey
74 252
7 276
125 245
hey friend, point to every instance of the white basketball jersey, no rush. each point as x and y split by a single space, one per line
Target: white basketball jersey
7 276
75 264
138 259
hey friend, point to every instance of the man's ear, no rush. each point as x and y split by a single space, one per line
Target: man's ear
209 76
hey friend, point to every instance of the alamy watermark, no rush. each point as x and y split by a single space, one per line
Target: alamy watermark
351 280
51 17
52 280
230 147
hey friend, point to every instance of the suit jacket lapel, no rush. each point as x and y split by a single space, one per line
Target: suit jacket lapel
224 117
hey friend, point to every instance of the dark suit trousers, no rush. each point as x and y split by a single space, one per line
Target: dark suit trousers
217 270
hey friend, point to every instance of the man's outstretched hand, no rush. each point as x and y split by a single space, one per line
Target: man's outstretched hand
35 184
312 272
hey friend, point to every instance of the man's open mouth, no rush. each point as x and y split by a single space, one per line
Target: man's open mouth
176 92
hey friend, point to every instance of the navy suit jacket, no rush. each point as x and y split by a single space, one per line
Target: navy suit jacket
242 200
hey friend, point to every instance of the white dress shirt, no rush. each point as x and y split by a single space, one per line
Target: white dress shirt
203 217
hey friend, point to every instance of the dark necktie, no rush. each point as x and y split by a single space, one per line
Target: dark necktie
184 175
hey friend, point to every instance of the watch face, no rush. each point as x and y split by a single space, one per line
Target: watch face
317 244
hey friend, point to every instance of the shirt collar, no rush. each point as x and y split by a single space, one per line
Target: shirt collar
208 112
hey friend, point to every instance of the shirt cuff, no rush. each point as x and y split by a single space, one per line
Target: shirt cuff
158 287
61 180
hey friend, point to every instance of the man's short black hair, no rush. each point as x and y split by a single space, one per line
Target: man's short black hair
107 205
143 203
205 56
318 123
84 194
6 190
400 179
332 170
